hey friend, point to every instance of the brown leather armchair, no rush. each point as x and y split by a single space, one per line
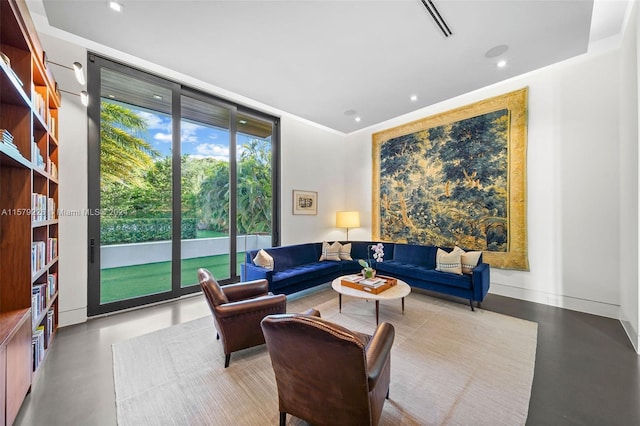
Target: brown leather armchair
327 374
238 309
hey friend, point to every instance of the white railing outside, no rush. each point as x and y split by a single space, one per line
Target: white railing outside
116 255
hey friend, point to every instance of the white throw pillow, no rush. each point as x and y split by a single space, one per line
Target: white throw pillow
263 259
449 262
330 251
345 252
469 260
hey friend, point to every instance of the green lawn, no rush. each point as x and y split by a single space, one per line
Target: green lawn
205 233
139 280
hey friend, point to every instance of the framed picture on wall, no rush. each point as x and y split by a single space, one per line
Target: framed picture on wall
305 202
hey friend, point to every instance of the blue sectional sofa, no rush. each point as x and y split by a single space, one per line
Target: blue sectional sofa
297 267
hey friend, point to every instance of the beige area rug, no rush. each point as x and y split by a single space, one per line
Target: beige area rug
449 366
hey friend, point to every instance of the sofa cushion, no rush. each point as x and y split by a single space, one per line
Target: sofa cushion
345 252
263 259
449 262
330 251
469 260
416 255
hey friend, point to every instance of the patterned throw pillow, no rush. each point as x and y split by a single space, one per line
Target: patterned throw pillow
263 259
330 251
345 252
469 260
449 262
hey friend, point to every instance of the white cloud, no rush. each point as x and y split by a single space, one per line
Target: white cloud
154 121
162 137
188 136
211 150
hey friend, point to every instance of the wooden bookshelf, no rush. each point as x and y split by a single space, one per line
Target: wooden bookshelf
29 103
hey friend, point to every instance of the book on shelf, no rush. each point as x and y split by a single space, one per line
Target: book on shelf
38 207
52 248
38 256
38 159
52 125
52 284
51 209
52 169
38 302
38 346
38 101
50 327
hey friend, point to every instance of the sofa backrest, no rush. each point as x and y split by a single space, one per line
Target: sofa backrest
286 257
362 249
416 255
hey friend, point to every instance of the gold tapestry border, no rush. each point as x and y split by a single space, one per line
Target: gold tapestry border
516 102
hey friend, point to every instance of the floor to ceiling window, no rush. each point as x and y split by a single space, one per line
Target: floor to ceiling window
179 180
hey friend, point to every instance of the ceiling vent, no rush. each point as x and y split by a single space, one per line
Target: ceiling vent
428 4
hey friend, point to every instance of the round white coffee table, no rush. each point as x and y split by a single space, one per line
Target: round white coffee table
398 291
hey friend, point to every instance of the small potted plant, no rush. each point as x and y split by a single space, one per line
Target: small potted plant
378 255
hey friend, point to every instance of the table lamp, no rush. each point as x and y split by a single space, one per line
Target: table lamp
347 220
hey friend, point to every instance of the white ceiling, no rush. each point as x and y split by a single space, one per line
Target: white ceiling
332 61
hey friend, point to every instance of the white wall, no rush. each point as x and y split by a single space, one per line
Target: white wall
312 160
629 161
573 182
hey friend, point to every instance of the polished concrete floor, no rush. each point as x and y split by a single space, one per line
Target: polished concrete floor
586 372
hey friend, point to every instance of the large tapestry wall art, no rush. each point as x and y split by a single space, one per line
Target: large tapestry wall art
457 178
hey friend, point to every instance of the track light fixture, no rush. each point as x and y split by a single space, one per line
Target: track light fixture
84 96
77 70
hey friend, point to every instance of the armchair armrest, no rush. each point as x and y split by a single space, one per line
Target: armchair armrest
262 303
246 290
378 350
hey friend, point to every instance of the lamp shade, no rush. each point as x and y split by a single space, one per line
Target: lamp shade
347 219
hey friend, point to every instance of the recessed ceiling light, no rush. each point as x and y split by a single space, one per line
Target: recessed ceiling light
115 6
242 121
502 64
111 96
158 97
414 98
358 119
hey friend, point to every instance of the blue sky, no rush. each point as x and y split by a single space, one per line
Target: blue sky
196 140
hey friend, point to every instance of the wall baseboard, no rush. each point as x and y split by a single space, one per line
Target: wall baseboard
74 316
632 333
581 305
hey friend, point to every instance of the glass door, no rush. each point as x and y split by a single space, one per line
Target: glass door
205 136
135 245
254 185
